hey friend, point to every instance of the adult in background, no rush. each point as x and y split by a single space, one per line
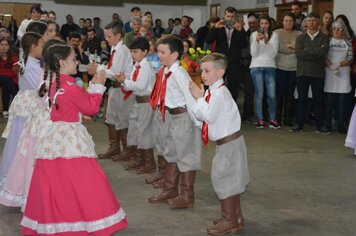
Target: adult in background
92 43
52 15
170 27
252 22
69 27
311 49
327 20
136 23
99 32
183 30
297 10
264 48
286 62
158 30
229 39
135 11
35 12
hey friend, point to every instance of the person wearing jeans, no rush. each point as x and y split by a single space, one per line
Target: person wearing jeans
264 48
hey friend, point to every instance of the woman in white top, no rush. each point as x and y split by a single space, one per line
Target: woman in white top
337 80
35 12
264 48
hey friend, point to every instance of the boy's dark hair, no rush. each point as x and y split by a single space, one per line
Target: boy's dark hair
89 19
38 27
135 9
252 14
117 27
36 7
231 10
174 44
147 13
44 13
52 12
140 43
82 19
74 35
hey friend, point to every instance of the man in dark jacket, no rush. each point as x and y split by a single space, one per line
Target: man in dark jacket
230 38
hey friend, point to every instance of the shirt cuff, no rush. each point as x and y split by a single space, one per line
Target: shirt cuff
96 88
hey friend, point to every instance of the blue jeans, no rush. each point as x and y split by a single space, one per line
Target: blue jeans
331 98
265 77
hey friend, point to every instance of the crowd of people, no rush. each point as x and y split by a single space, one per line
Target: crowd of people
306 67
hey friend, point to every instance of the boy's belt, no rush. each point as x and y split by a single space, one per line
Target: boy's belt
228 138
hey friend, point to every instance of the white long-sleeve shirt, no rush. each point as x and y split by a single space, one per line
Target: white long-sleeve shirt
177 91
145 80
221 113
122 62
263 54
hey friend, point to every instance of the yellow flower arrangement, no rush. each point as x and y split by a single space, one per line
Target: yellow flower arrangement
191 63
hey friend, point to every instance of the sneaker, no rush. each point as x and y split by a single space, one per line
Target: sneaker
260 124
5 114
274 124
322 130
296 129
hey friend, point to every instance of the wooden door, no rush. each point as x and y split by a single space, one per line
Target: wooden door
320 6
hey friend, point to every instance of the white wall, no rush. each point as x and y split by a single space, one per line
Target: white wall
347 8
199 13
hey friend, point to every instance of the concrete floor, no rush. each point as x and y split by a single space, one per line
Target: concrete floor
301 184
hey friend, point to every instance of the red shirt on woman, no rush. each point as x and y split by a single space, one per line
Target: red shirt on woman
6 68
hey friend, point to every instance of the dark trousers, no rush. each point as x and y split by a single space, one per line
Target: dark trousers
339 99
233 79
236 76
317 86
8 88
285 86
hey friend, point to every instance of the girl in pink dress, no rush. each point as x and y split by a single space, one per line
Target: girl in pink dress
69 193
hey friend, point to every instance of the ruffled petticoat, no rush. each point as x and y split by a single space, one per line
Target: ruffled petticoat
351 133
23 108
14 189
69 193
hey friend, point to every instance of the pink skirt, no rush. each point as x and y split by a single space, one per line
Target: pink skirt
71 197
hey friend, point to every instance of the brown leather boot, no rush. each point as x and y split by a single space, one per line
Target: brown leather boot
150 164
159 174
137 161
186 197
228 224
170 187
240 219
114 144
158 183
127 152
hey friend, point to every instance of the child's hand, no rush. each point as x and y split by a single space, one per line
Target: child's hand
99 78
92 68
120 77
86 117
195 90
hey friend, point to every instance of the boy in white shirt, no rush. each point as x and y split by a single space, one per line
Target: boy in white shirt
218 111
141 84
120 102
178 133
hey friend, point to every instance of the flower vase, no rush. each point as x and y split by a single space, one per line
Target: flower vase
196 78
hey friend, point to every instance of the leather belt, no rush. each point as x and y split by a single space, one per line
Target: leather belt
228 138
142 99
176 111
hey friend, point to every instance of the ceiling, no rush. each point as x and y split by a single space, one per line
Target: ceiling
121 2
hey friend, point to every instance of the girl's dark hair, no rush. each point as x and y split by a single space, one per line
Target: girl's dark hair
347 23
38 27
29 39
43 89
140 43
270 30
10 53
55 53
